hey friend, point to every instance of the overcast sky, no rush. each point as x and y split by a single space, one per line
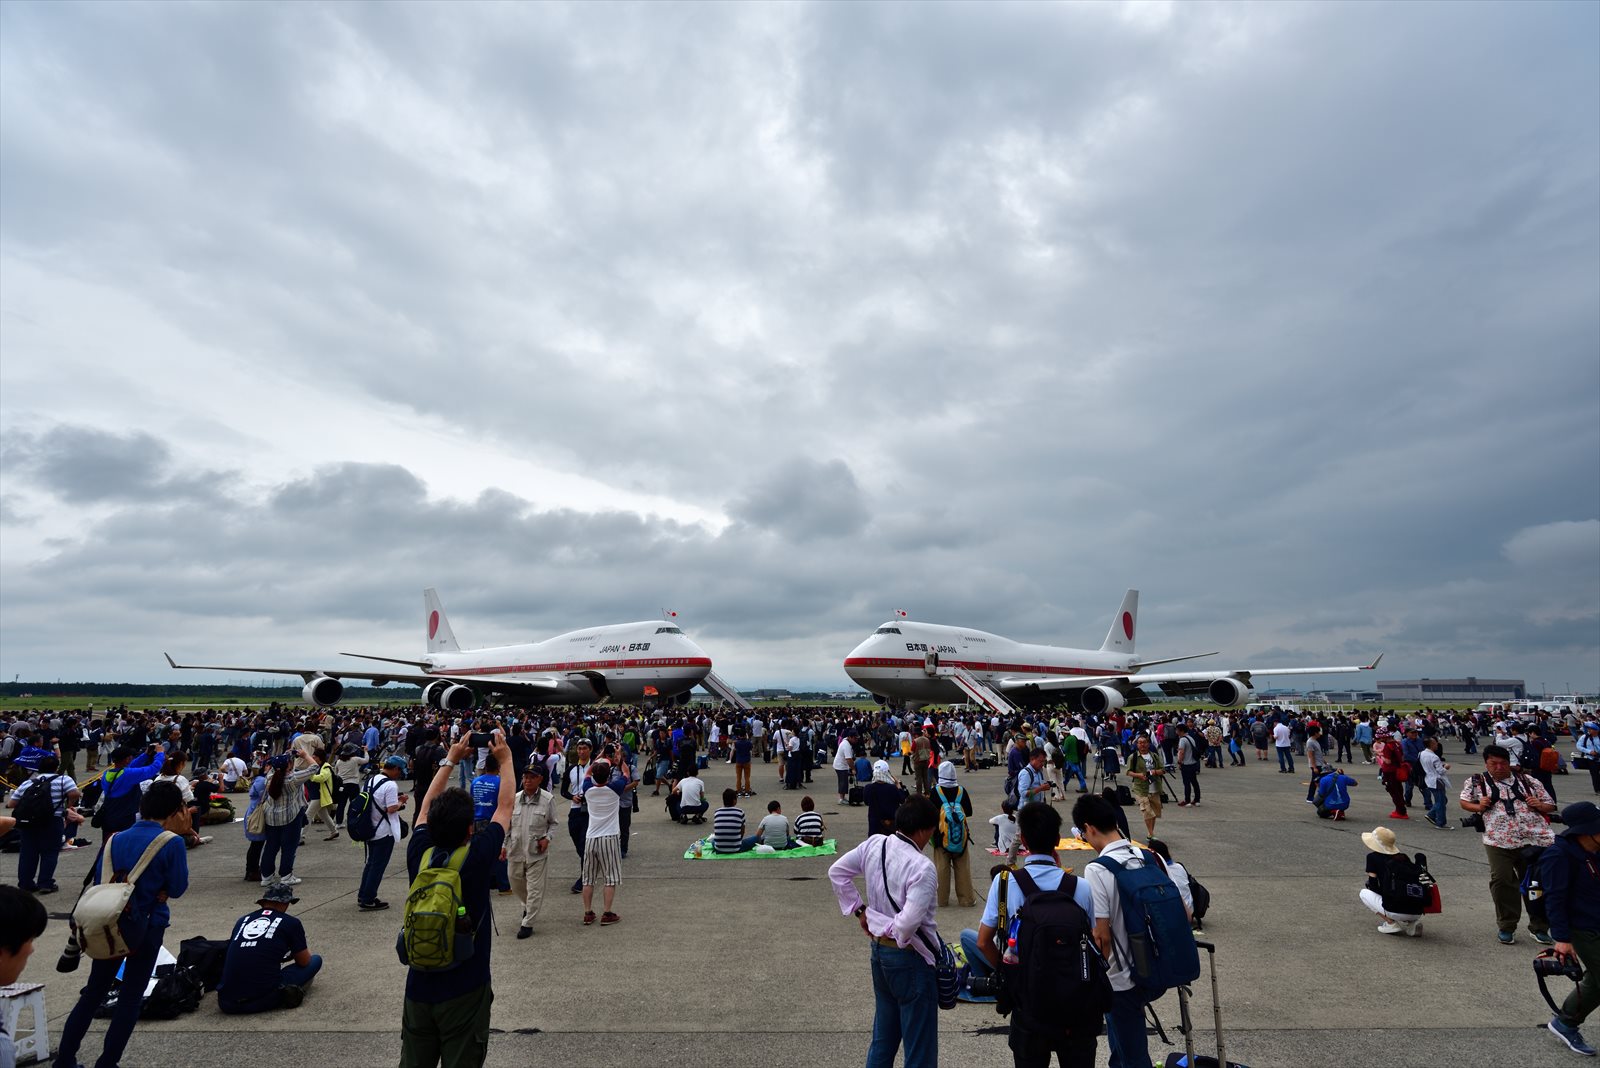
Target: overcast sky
786 317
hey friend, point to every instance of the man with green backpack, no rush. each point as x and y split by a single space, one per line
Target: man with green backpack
952 841
446 937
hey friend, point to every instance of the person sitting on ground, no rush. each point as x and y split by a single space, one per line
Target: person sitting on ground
687 801
773 830
1381 842
1178 874
727 826
254 977
1005 827
809 826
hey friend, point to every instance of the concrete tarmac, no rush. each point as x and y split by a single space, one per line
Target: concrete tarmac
749 963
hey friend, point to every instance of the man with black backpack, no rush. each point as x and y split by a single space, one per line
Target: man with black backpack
1056 987
1140 927
42 805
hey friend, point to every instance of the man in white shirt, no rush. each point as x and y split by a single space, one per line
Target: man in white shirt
233 769
1285 745
688 800
844 763
387 801
602 853
1096 819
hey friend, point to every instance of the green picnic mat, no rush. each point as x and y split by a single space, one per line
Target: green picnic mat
826 849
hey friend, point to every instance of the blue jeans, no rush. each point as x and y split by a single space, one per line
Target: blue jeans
907 1009
379 850
975 960
1125 1029
140 963
289 975
745 845
39 848
1076 769
284 839
1285 758
1435 801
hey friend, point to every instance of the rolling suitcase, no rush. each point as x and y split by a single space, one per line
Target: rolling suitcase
1187 1058
857 795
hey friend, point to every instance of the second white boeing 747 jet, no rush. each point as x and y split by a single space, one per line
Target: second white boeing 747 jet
647 661
927 663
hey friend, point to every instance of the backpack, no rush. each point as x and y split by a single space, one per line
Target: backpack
1200 895
96 919
1124 796
1160 941
1549 759
116 812
38 807
359 816
953 824
436 934
1402 888
1059 982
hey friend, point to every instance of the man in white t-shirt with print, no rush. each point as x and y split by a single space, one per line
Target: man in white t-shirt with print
1284 743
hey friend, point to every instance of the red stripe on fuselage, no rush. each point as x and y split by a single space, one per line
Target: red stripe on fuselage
973 665
578 665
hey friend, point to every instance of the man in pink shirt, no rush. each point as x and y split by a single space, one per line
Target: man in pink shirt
897 917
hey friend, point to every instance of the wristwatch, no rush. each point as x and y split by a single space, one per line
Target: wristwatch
447 763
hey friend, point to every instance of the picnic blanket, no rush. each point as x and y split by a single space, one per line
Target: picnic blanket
826 849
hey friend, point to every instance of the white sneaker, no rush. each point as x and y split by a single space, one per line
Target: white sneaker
289 880
204 838
268 880
1388 927
1413 929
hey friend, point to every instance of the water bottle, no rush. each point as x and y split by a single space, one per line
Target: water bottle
1010 954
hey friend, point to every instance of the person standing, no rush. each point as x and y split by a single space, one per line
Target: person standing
485 790
1096 818
897 915
387 801
953 859
1391 766
1570 872
844 761
742 747
284 804
1513 807
447 1012
572 781
322 795
1283 741
1435 783
1145 771
533 816
163 816
603 796
1188 767
42 820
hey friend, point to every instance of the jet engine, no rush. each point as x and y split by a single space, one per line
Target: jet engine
323 692
1098 700
1229 693
458 698
683 699
432 692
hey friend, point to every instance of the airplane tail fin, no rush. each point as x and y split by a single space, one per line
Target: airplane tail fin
441 639
1119 639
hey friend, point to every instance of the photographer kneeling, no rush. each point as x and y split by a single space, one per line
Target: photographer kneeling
1570 872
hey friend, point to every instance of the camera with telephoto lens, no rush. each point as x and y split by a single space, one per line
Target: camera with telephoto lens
1548 964
986 986
1473 821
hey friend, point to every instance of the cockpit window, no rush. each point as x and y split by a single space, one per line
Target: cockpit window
888 630
668 630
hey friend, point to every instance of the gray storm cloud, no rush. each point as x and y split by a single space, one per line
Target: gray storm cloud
1287 314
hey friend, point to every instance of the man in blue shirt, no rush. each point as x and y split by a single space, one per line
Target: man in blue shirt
119 788
371 739
143 925
485 796
254 977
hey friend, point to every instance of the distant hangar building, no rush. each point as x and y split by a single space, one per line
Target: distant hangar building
1467 689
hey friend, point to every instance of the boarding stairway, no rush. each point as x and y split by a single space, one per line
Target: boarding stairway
723 692
974 688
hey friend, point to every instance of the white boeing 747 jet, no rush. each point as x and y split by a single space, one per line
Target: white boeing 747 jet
647 661
926 663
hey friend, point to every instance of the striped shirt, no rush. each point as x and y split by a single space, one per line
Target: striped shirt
727 829
59 786
808 825
287 808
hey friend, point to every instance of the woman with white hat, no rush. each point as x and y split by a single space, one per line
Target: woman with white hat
1385 853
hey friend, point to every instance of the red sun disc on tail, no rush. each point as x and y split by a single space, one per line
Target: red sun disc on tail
433 625
1127 624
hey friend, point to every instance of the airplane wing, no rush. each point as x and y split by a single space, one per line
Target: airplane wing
1172 683
500 683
